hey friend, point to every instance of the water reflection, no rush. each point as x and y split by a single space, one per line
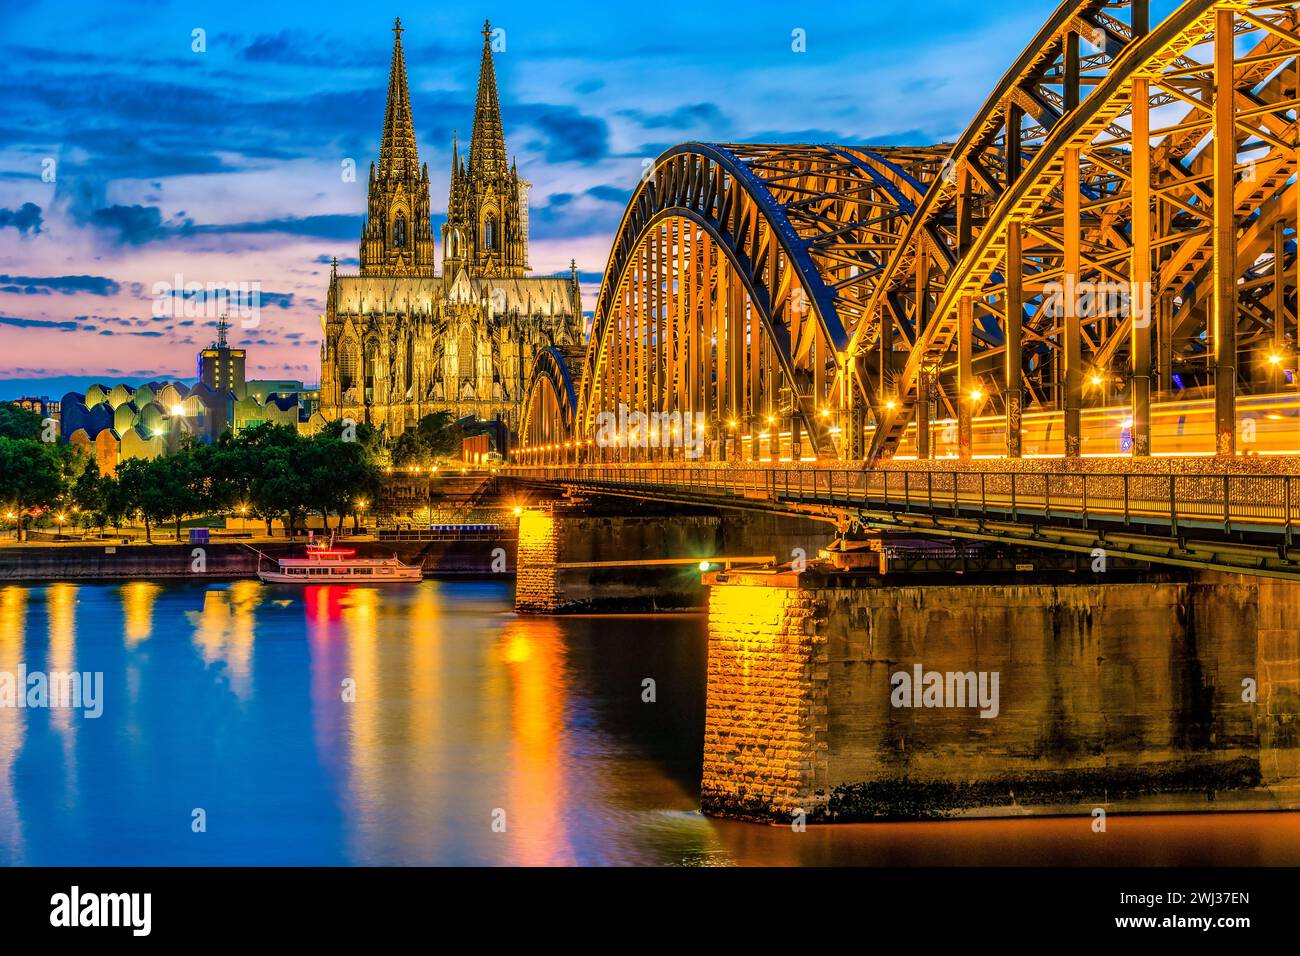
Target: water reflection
137 607
61 611
531 657
385 726
13 621
224 630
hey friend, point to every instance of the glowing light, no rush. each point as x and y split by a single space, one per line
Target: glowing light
1275 358
157 433
361 504
704 565
771 420
732 424
976 394
891 405
518 510
1096 380
178 410
825 412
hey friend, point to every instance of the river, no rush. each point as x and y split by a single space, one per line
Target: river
242 723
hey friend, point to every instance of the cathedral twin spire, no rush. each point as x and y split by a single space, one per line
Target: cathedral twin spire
397 238
487 156
397 150
487 218
486 233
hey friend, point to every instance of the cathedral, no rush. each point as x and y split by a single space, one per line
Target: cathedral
402 341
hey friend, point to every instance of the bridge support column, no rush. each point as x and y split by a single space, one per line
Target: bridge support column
852 702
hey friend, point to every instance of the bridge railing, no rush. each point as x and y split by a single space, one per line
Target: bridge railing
1269 503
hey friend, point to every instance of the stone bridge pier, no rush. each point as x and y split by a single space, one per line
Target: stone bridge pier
615 555
851 696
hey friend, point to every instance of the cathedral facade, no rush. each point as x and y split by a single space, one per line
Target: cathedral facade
400 339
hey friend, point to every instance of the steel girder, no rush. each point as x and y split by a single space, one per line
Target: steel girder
1082 208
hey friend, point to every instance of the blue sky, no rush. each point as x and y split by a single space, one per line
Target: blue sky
225 165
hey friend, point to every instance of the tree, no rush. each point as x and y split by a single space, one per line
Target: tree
132 479
409 449
31 477
257 465
440 434
114 500
19 422
177 484
88 489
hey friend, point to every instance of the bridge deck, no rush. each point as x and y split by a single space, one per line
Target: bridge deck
1227 521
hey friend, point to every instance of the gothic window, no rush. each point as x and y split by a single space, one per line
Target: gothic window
465 353
399 232
370 365
347 365
455 243
489 233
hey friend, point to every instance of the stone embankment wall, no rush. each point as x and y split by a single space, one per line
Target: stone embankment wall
221 560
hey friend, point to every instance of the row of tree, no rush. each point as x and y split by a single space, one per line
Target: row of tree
269 472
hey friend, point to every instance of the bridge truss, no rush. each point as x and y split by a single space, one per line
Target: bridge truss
1114 234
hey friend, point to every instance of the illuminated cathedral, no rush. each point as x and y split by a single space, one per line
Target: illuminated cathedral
402 341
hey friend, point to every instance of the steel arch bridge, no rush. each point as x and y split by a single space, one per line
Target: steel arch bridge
1103 263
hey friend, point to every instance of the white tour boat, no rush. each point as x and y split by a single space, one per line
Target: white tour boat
326 564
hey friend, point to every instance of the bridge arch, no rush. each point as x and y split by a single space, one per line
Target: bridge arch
547 428
730 294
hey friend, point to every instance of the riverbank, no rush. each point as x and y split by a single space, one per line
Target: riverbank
226 560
